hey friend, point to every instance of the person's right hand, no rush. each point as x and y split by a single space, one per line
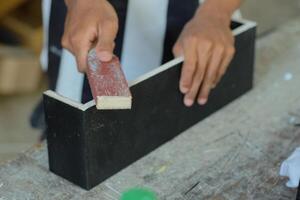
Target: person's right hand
90 23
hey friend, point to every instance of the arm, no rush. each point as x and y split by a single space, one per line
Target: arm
89 23
207 44
221 7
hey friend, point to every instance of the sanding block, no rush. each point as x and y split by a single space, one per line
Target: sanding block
108 83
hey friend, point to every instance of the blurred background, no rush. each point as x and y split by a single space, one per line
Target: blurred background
22 80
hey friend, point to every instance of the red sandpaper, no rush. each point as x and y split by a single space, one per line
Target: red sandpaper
108 83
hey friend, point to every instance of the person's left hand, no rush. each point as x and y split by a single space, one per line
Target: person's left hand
207 45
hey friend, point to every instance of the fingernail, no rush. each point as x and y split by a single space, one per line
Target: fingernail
202 101
105 56
184 89
188 102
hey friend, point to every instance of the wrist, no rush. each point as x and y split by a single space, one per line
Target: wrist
69 3
219 9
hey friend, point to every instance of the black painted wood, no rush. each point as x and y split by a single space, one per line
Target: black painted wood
86 147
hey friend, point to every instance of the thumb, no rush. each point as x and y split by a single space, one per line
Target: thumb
177 50
105 44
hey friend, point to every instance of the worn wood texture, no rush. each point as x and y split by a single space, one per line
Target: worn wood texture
233 154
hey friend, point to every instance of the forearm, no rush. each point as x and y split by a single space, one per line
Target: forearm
219 8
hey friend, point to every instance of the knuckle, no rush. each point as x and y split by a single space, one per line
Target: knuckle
205 43
102 44
200 72
83 67
184 83
65 42
200 68
175 49
210 78
74 39
188 70
204 39
219 48
80 69
209 82
188 65
191 39
110 23
231 50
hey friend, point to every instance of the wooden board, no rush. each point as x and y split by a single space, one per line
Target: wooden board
86 146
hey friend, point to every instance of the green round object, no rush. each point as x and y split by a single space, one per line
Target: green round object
138 194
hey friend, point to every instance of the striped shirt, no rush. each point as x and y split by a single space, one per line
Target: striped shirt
148 30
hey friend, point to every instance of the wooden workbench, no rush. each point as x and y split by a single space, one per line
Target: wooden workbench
233 154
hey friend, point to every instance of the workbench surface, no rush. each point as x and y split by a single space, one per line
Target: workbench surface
233 154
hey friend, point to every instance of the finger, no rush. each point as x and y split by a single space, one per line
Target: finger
203 57
210 74
106 35
189 66
65 42
80 44
81 58
189 98
177 50
224 64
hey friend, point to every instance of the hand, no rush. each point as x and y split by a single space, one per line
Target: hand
89 23
207 45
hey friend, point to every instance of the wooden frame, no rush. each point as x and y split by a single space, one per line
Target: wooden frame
86 145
